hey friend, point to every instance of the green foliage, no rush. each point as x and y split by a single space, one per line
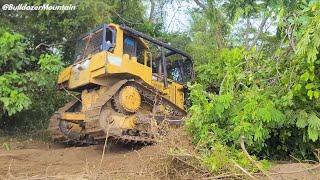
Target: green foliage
50 63
241 106
12 52
26 82
13 99
270 98
12 58
308 53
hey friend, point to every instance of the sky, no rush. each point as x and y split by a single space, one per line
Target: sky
177 17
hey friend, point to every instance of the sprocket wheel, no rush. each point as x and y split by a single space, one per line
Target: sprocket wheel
127 100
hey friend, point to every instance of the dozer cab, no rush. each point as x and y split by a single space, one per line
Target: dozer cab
124 91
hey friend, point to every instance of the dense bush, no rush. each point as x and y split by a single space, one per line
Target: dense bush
270 98
27 94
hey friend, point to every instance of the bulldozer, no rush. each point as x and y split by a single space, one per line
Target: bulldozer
122 88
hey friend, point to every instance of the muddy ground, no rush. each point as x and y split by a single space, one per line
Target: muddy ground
31 159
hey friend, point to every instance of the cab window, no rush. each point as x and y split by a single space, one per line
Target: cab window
133 49
140 53
109 35
129 46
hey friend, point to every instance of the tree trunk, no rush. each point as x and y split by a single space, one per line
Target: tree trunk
260 30
151 15
200 4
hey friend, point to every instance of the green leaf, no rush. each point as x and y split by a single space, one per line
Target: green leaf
313 134
297 87
314 121
310 94
302 119
309 86
305 76
50 63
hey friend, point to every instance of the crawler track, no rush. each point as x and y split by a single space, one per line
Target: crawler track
93 133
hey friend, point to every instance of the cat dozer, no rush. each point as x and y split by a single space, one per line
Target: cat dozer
122 88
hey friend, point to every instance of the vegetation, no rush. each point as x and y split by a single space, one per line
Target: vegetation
265 89
27 84
257 70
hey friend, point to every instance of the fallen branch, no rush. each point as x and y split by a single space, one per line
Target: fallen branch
188 164
243 147
243 170
9 170
104 147
225 175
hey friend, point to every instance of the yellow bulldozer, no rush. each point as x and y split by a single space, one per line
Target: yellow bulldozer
125 88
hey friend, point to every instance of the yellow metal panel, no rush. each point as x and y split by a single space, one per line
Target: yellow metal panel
73 116
179 95
98 61
124 64
119 39
78 77
159 85
98 72
64 75
172 93
88 98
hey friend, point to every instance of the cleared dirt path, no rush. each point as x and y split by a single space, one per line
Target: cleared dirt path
38 160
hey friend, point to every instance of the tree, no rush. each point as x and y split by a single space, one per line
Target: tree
25 78
267 95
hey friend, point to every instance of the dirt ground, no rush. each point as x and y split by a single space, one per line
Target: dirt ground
40 160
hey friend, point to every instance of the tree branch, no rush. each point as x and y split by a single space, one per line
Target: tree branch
243 147
246 33
260 29
200 4
291 38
